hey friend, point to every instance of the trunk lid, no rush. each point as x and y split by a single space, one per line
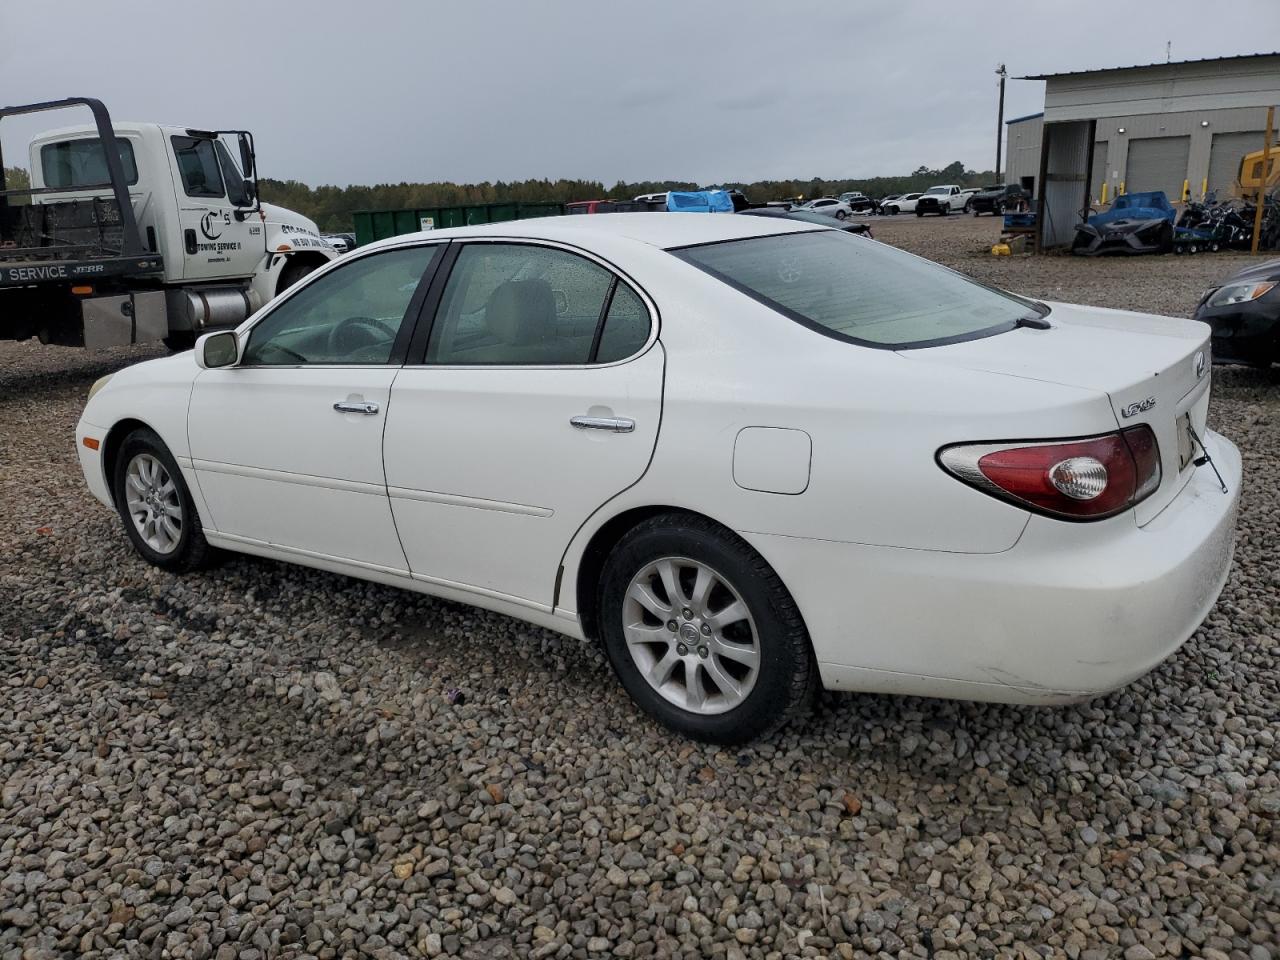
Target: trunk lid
1154 370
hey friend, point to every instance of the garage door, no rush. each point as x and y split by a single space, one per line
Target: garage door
1224 160
1099 170
1157 163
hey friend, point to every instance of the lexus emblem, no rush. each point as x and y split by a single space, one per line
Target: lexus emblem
1199 364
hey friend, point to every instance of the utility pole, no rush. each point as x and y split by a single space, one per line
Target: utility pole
1262 180
1002 73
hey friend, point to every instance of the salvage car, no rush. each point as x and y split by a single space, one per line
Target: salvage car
906 203
748 456
861 229
1244 314
826 207
1136 223
858 202
997 198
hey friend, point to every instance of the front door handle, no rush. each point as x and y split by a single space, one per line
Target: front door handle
356 406
614 424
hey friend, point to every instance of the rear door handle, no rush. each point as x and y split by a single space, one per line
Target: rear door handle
356 406
614 424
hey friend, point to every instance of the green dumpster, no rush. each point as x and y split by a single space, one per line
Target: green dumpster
374 225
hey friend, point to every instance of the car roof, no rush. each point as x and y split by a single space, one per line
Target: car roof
662 230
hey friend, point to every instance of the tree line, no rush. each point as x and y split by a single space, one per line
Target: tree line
331 207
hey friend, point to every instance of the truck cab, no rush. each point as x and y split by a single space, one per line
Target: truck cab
182 201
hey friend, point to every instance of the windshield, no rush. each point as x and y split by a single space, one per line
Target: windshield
935 190
866 293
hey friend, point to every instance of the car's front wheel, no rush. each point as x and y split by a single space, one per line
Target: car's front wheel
702 633
840 214
155 505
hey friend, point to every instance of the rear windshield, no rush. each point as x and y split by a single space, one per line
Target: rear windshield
854 289
83 163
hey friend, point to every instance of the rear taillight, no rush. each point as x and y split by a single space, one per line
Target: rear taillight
1086 479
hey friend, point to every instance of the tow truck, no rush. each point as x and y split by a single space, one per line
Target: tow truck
136 232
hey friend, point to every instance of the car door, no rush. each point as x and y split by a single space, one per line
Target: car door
537 398
287 444
216 243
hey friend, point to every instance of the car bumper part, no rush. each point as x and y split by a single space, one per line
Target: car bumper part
1246 332
91 459
1070 611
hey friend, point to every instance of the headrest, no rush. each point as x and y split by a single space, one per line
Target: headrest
521 311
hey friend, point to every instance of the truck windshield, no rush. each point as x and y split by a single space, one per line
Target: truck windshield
860 291
83 163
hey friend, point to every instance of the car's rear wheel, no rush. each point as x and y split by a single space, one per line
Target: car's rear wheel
155 505
967 206
702 633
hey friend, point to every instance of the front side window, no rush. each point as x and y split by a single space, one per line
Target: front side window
866 293
198 167
520 304
83 163
236 192
351 315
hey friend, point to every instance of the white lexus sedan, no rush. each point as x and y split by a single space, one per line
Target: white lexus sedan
748 456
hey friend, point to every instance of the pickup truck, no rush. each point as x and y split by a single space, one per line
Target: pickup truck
941 200
997 198
133 232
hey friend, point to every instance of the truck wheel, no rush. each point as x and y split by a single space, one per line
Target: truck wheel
180 340
944 209
294 271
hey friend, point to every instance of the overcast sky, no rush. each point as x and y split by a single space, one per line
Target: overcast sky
368 91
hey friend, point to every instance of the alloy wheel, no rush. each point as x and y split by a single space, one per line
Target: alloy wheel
152 500
691 635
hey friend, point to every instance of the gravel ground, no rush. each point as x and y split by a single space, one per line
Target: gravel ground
267 761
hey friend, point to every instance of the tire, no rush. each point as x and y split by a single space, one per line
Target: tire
684 549
294 271
139 458
943 210
967 207
919 212
180 340
841 215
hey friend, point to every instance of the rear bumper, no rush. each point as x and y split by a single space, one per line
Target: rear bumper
1070 611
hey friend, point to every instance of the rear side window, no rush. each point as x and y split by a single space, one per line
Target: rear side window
198 167
83 163
867 293
626 326
515 304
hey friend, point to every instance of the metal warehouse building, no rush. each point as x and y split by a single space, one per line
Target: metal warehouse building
1179 127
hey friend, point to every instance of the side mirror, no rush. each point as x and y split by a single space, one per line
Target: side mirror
220 349
246 156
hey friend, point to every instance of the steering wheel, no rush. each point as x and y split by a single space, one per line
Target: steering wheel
355 333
